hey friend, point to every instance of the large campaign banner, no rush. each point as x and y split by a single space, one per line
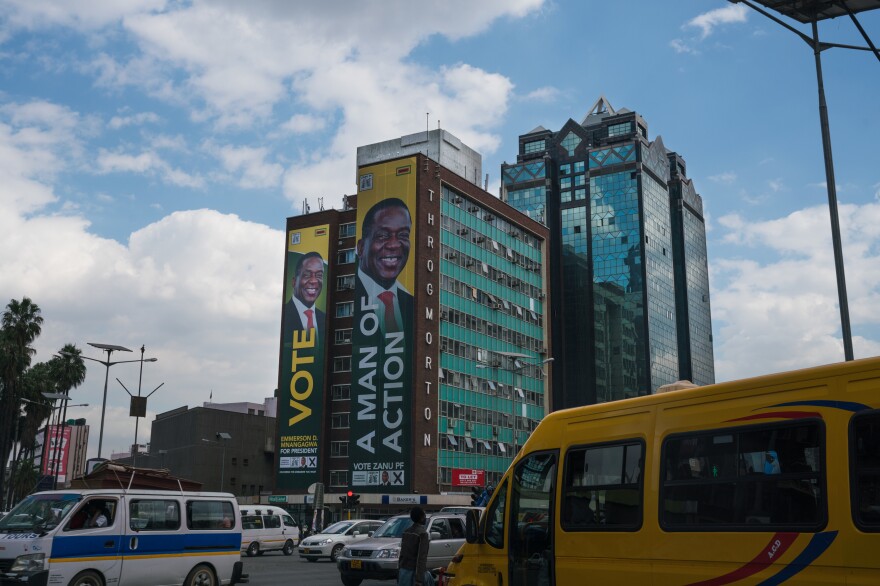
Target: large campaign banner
303 343
382 337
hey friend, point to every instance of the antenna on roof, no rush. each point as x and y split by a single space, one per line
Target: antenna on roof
321 204
486 185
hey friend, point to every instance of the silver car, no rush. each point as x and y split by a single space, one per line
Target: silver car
329 542
376 558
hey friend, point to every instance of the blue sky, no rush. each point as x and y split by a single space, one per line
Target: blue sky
150 151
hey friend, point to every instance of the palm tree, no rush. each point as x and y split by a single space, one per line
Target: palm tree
21 324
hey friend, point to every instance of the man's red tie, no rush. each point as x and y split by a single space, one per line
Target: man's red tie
310 323
387 297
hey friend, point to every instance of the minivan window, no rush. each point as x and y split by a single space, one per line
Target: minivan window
288 521
251 522
210 515
272 521
495 518
865 437
154 515
43 512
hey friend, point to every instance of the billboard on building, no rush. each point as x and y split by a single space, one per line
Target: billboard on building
56 452
468 477
303 343
382 338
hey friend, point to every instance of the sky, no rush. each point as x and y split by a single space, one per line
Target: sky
151 150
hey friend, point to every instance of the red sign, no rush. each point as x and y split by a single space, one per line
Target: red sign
56 451
468 477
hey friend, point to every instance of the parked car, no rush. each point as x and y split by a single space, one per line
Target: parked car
267 528
376 558
462 509
329 542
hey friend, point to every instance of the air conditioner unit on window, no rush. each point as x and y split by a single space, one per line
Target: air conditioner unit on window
495 430
462 231
450 423
457 200
451 255
479 239
495 305
473 209
469 426
489 217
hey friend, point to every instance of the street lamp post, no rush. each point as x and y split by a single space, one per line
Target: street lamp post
223 437
517 362
138 407
811 13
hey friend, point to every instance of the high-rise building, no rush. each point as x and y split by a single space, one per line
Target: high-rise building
414 338
628 266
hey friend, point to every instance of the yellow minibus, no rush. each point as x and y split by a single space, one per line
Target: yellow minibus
770 480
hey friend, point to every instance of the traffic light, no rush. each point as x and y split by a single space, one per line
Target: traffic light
344 500
476 496
353 499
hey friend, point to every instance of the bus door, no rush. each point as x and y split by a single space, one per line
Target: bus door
91 540
531 523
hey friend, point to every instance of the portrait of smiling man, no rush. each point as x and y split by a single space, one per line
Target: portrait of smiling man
307 286
383 252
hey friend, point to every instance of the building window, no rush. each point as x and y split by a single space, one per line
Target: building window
534 146
341 392
347 230
244 461
570 143
578 166
344 282
234 460
339 478
619 129
342 364
565 169
345 256
339 449
565 183
343 336
339 420
345 309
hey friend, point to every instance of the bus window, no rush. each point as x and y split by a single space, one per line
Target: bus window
531 520
601 487
865 434
495 518
755 478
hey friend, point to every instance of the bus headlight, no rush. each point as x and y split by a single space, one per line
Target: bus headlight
34 562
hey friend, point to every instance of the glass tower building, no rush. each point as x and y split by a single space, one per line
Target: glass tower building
628 265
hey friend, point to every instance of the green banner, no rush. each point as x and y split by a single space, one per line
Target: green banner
382 338
303 341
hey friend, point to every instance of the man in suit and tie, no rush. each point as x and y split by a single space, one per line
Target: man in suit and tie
383 251
307 285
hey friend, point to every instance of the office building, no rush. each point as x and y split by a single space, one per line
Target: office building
64 455
628 265
224 447
414 336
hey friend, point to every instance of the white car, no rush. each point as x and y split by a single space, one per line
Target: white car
332 539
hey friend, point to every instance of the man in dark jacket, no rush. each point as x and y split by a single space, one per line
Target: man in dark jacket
414 553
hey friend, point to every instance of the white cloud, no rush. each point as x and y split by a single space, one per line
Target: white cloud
725 177
546 94
146 163
304 124
781 313
682 46
250 164
706 22
139 119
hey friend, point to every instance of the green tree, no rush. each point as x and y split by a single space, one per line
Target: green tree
21 324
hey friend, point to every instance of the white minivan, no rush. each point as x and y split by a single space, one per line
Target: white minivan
133 537
267 528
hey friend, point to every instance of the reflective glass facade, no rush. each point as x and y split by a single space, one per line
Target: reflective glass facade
630 282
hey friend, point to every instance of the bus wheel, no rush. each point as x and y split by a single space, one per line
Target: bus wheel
288 548
87 578
201 575
253 549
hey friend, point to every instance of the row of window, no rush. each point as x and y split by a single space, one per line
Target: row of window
469 382
461 289
453 226
483 269
487 215
759 478
161 515
491 329
482 356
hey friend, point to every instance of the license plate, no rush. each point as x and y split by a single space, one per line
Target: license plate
306 550
357 565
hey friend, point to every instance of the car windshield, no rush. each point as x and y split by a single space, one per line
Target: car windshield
337 528
39 512
393 527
